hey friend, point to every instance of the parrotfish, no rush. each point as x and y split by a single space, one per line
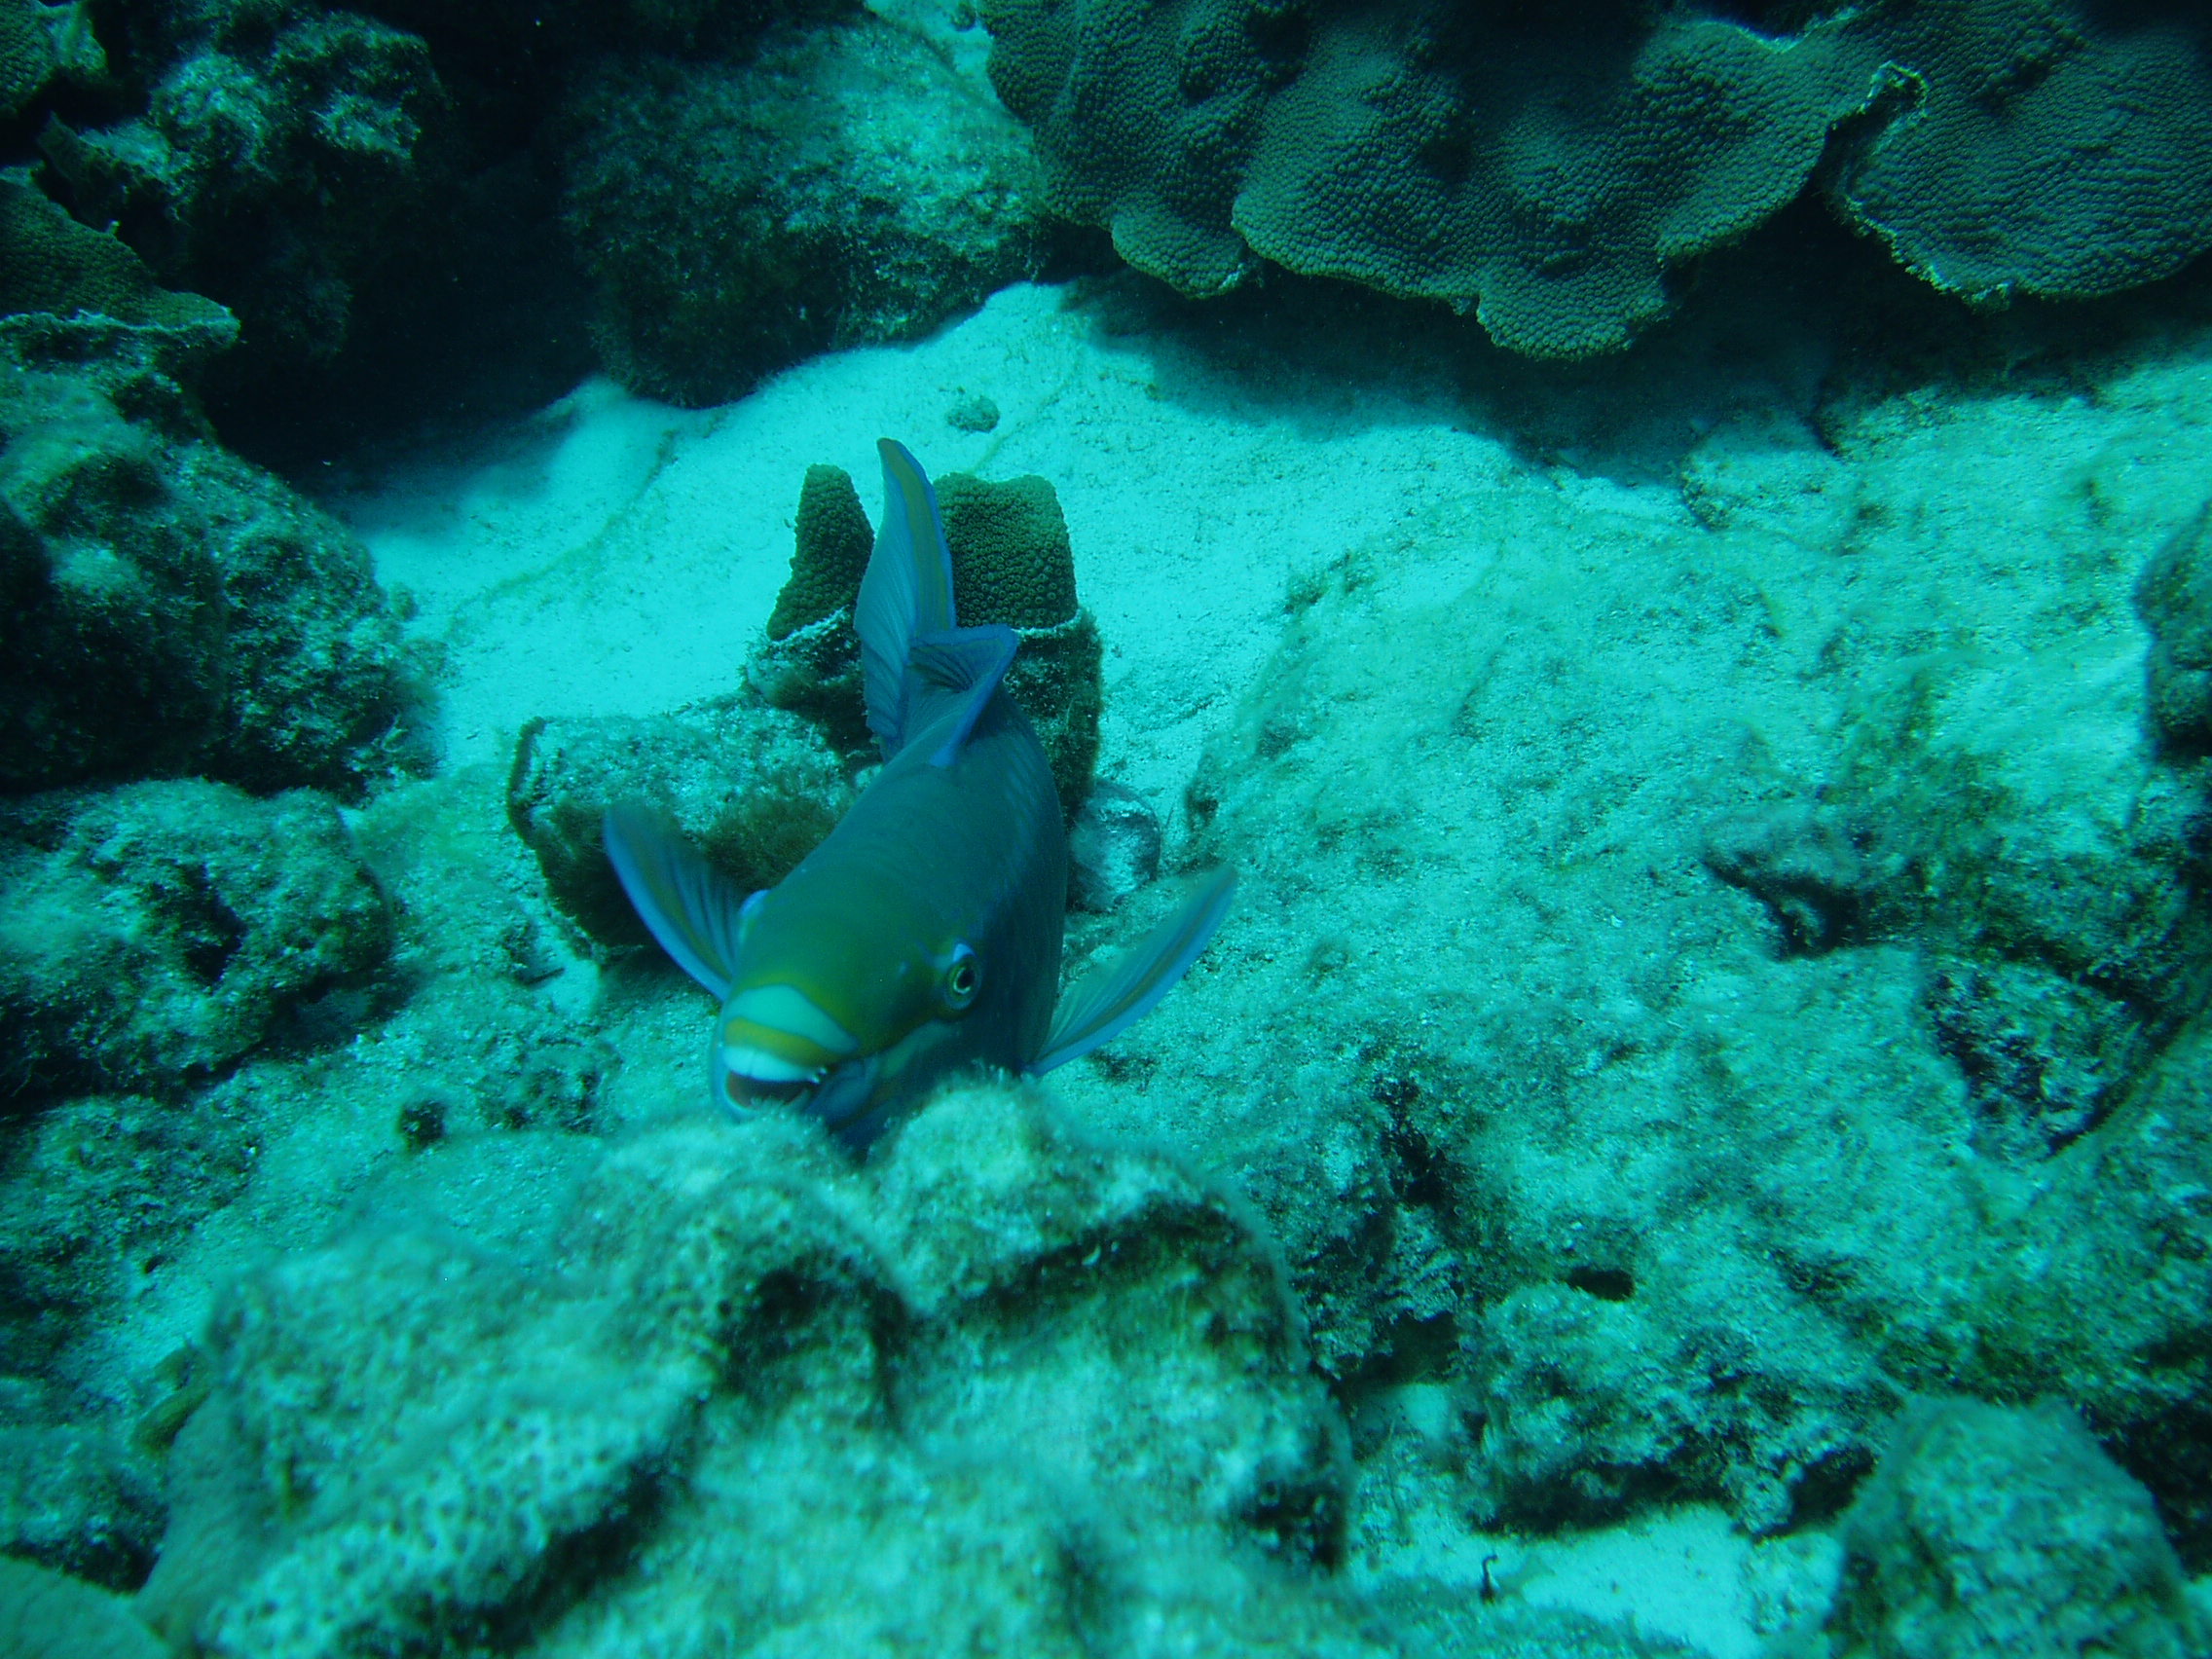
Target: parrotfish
922 937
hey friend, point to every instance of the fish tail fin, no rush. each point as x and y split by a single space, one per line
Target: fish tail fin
1117 996
965 665
685 903
905 593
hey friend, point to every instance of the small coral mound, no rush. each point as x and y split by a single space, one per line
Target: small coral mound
834 539
1989 1531
1012 564
811 661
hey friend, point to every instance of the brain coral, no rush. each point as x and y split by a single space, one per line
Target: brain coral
1546 167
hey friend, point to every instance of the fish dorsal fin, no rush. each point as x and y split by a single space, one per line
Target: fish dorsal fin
1126 990
966 665
695 912
905 593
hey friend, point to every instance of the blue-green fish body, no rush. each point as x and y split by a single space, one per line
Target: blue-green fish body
923 937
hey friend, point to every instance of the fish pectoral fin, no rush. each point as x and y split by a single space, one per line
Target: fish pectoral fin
1111 1000
965 665
687 904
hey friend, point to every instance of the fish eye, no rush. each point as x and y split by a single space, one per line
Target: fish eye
963 977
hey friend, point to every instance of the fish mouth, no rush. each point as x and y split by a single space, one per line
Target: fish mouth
739 1088
775 1043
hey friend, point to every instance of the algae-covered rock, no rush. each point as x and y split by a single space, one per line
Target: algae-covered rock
843 187
754 788
159 932
1711 988
82 1496
2175 598
275 149
1991 1530
171 608
997 1390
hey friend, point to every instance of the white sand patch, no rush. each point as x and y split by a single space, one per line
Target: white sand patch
1687 1574
614 555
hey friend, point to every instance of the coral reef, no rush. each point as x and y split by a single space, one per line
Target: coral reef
43 47
842 186
736 1387
1704 1007
157 932
755 789
58 266
1990 1531
1549 169
2049 148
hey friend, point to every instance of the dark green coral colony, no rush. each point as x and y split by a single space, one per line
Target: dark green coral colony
1011 563
1549 167
833 542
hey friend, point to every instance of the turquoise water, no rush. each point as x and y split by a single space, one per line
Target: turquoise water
1667 553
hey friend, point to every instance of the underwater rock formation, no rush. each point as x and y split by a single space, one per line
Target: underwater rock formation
1703 1008
754 788
1549 168
1114 848
2175 598
739 1384
271 150
156 933
1991 1530
171 608
843 186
